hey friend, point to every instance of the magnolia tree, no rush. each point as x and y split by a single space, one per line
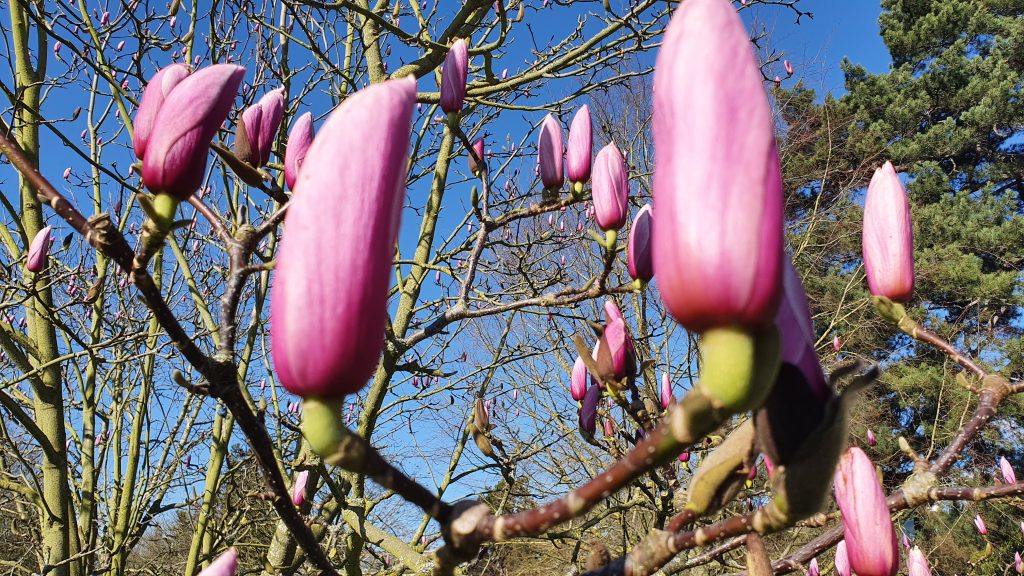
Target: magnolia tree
352 300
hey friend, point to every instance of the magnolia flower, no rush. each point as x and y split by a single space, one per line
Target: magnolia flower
225 565
258 128
578 381
666 392
888 237
334 266
717 181
453 77
917 565
610 189
299 488
871 541
842 561
638 256
979 523
299 140
478 150
38 250
1009 476
581 142
549 153
812 568
185 118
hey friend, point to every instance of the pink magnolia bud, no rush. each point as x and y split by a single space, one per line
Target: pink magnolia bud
837 344
610 188
299 488
620 345
225 565
842 560
299 139
872 441
56 47
157 90
684 457
609 431
581 143
888 239
639 259
549 153
870 539
1018 563
262 121
453 77
979 523
717 182
917 565
1009 476
666 391
330 296
189 117
812 568
119 47
105 18
39 250
906 543
478 149
578 380
788 66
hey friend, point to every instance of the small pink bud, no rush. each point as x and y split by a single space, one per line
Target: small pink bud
67 173
581 143
610 188
478 149
1009 476
578 380
812 568
299 488
56 47
837 344
299 140
549 153
38 250
979 523
105 18
1018 564
119 47
871 541
453 77
788 66
335 262
872 441
717 181
917 565
639 259
262 121
777 81
888 241
684 457
225 565
666 391
608 430
504 74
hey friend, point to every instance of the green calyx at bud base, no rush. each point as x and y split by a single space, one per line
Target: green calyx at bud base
162 210
738 366
322 425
